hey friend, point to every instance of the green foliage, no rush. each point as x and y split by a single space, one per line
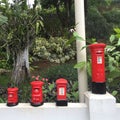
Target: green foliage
113 17
72 92
80 65
3 64
96 24
5 59
3 19
113 64
23 25
49 91
4 80
53 49
2 100
74 37
96 3
24 92
52 24
58 16
61 71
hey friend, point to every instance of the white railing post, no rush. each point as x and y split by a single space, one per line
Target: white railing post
81 55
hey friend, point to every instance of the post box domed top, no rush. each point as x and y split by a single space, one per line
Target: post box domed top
12 89
61 81
97 45
37 83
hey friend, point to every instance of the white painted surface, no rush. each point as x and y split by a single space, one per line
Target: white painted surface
117 116
97 107
81 54
74 111
101 107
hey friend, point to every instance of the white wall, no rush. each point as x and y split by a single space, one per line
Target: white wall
96 107
74 111
117 111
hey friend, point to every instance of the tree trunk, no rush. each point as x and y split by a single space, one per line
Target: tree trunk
68 4
21 66
59 15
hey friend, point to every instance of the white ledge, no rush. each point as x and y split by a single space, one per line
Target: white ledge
96 107
45 105
48 111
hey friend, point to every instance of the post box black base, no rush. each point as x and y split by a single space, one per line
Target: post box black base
98 88
12 104
36 104
61 103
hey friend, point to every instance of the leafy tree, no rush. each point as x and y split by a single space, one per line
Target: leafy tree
22 27
65 4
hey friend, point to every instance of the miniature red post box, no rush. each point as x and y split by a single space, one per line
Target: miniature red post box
37 94
12 99
98 68
61 85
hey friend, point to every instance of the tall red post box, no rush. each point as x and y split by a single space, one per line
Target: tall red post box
37 93
12 99
61 85
98 68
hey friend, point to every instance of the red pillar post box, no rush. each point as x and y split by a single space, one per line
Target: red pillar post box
37 94
12 99
61 85
98 68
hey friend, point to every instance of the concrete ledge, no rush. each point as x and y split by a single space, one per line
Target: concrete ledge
23 111
96 107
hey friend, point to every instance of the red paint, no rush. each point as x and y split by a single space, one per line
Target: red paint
98 62
61 89
37 94
12 96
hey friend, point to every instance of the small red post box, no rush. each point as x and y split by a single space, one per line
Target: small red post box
12 99
98 68
61 85
37 94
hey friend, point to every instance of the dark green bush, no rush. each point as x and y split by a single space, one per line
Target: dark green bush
113 17
113 64
61 71
55 25
52 23
24 92
96 25
5 59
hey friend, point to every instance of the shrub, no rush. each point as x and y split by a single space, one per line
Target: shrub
5 59
52 24
113 17
63 70
55 25
113 64
96 24
54 49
